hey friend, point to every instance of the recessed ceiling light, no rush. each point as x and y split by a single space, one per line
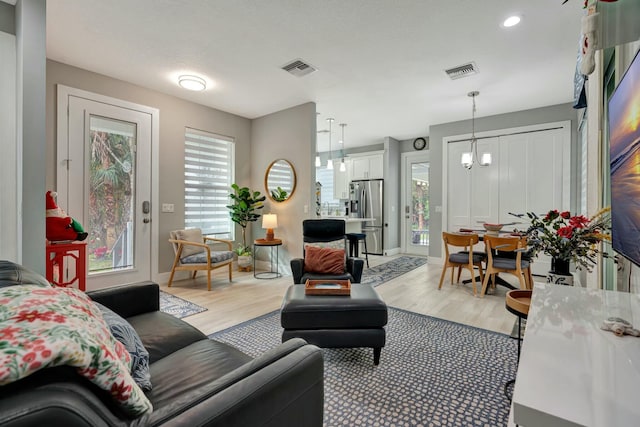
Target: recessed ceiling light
190 82
511 21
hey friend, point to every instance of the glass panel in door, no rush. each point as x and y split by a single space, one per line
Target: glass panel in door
112 194
419 205
416 224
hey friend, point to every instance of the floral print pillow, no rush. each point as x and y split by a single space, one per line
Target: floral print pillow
46 327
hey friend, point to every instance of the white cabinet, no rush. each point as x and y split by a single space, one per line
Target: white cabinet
341 180
529 173
367 167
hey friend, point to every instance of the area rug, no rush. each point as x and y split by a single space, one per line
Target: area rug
177 306
432 372
379 274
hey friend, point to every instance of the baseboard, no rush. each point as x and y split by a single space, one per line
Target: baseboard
392 251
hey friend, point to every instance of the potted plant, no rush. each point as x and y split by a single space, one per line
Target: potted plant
243 210
279 195
566 238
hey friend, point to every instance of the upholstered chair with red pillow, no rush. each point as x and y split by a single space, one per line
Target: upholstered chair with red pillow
325 253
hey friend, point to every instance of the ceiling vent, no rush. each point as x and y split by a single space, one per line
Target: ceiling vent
461 71
299 68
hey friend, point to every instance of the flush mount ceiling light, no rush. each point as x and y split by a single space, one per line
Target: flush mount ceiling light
191 82
511 21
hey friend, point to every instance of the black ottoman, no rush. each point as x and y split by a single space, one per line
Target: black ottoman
336 321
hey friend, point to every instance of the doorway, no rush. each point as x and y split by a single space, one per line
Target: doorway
104 171
415 203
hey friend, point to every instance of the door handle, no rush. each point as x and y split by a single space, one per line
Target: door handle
146 220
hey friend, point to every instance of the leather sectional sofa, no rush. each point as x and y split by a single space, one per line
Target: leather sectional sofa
196 381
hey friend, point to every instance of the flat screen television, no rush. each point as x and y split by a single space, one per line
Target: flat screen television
624 140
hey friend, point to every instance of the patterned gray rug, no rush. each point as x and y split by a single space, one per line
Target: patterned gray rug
177 306
432 373
379 274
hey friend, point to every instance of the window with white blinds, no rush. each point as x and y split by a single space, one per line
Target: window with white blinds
208 174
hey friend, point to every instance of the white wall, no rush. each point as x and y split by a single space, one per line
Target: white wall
289 134
175 114
30 30
9 182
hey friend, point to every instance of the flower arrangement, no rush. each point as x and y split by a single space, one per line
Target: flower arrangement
569 238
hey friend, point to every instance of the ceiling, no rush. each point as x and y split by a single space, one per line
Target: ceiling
380 62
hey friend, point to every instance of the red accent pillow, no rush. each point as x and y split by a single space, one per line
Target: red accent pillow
323 260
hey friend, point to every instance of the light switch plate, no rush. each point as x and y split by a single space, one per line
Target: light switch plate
167 207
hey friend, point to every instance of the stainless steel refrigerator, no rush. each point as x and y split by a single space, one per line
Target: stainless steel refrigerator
366 201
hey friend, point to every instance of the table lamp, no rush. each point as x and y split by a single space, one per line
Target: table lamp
269 221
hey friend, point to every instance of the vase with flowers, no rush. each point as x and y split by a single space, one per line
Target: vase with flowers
568 238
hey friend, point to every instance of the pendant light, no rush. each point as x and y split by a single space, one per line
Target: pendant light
330 160
469 158
343 167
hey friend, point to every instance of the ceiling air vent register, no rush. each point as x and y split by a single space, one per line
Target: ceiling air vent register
461 71
299 68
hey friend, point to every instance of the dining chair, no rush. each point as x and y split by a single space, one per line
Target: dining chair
193 253
465 258
505 255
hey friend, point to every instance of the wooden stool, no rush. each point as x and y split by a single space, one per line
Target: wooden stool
354 240
517 302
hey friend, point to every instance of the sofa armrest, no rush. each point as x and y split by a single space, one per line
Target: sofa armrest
129 300
297 269
355 267
284 387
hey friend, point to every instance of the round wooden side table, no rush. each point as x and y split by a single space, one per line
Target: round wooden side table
272 273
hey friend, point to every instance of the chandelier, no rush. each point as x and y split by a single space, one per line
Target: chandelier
470 157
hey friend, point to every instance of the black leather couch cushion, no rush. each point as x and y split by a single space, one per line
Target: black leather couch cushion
163 334
362 309
191 368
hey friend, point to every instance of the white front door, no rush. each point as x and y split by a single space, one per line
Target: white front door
415 203
104 181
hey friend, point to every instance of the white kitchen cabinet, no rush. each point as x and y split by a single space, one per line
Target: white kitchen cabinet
367 167
341 180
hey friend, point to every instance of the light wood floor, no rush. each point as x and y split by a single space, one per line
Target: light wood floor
246 297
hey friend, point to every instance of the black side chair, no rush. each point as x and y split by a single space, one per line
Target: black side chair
327 233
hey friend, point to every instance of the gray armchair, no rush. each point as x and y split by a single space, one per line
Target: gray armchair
326 232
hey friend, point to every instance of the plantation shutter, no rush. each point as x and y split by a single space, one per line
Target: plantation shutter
208 173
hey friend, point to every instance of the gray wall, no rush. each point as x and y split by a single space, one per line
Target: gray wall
289 134
555 113
31 76
175 114
392 187
7 18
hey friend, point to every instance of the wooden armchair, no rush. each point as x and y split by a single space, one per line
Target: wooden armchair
194 254
509 260
466 258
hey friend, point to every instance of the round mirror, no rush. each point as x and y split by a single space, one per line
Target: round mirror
280 180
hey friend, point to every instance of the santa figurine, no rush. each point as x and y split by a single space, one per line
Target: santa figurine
60 226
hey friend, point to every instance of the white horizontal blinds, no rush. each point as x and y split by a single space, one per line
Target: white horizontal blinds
280 175
325 177
208 173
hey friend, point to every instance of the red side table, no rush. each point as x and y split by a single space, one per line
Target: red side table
67 264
